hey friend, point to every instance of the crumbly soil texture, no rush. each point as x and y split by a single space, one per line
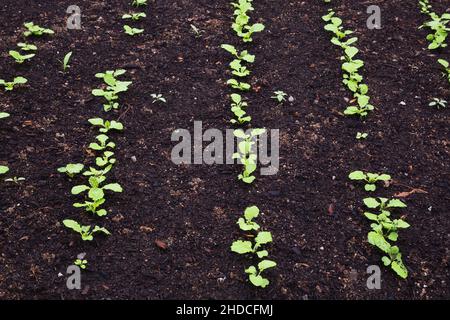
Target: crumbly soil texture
173 225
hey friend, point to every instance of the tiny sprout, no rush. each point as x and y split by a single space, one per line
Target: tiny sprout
280 96
72 169
20 58
438 103
134 16
369 178
82 263
107 125
4 169
158 98
27 46
361 135
132 31
9 86
85 231
196 31
15 180
36 30
139 3
66 61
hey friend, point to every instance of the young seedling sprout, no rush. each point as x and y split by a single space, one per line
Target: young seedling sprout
157 97
20 58
86 232
9 86
106 125
27 46
370 178
438 103
66 61
35 30
280 96
132 31
134 16
72 169
139 3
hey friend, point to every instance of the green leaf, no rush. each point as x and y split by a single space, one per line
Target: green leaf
96 194
263 253
371 216
3 169
113 187
251 213
351 52
400 268
79 189
266 264
258 281
386 261
357 175
242 247
396 203
378 240
370 187
263 237
72 224
371 203
251 270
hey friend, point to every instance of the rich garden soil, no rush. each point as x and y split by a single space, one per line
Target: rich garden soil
312 209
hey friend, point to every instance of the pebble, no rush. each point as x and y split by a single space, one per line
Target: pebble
291 99
133 158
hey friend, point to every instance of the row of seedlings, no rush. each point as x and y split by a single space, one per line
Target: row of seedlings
440 27
384 228
19 57
134 17
247 141
96 187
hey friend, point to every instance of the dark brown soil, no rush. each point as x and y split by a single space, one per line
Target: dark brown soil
193 209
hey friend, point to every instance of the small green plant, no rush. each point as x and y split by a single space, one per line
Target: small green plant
241 24
15 180
113 88
238 108
81 261
86 232
35 30
446 66
27 46
4 169
4 115
385 229
245 153
280 96
243 86
246 224
438 103
139 3
158 97
66 61
370 178
132 31
20 58
72 169
9 86
244 55
102 143
361 135
134 16
94 190
196 31
106 126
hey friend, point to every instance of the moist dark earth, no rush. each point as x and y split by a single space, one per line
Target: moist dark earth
312 209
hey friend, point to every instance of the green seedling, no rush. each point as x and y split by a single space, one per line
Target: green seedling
370 178
243 86
15 180
437 24
102 143
134 16
158 97
132 31
247 224
245 153
82 263
237 107
72 169
27 46
385 229
85 231
244 55
139 3
106 126
241 24
66 61
280 96
438 103
35 30
361 135
113 88
446 66
9 86
98 172
95 191
238 70
196 31
20 58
